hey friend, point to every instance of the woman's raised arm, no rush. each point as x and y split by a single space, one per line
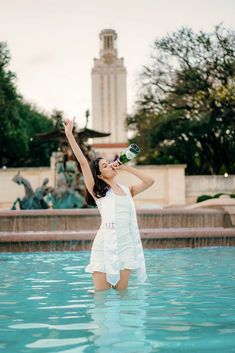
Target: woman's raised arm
86 170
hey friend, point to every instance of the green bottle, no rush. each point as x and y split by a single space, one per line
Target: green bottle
128 154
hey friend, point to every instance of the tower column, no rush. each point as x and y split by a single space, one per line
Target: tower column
109 101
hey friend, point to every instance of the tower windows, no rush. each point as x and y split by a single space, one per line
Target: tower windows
108 42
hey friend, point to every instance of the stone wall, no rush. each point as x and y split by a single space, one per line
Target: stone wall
168 189
171 188
198 185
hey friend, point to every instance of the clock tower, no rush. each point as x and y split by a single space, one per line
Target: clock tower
109 97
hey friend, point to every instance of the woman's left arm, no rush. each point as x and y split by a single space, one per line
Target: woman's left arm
146 180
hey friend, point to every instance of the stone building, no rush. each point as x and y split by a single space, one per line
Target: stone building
109 97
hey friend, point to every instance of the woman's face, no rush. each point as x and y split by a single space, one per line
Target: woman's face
107 169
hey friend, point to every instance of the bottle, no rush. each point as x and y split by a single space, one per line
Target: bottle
128 154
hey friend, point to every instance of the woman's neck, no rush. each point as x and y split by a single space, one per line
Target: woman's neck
112 183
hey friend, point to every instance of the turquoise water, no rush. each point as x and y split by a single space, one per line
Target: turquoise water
187 304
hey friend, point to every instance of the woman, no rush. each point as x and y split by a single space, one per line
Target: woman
117 247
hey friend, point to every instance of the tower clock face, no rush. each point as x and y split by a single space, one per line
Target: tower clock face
108 59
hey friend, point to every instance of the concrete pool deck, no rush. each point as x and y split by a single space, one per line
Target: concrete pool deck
51 230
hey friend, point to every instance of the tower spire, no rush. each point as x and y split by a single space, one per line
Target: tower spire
108 47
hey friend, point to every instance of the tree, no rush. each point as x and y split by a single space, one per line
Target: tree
20 121
188 100
38 152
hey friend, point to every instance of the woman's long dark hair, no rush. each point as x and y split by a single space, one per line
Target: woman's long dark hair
100 187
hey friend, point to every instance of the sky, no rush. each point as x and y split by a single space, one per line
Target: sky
53 42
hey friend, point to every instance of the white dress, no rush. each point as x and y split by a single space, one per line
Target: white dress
125 242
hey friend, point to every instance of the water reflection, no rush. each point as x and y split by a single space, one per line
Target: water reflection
120 319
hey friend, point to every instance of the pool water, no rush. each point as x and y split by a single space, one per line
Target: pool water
186 305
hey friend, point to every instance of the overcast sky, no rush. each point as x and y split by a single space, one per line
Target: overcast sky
53 42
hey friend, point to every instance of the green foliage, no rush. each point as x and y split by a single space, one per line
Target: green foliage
19 123
39 152
216 196
204 198
187 99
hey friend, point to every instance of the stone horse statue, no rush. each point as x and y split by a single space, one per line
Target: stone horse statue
32 200
63 196
70 184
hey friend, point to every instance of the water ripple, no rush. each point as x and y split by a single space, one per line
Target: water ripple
186 305
48 343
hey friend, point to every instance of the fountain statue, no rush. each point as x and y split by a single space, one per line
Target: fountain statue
69 184
31 200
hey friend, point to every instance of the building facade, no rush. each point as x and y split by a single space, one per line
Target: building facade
109 97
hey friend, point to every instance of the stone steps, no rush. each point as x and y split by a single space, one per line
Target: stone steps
31 241
148 233
89 219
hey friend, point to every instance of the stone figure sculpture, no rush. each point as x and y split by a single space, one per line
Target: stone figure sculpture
69 185
31 200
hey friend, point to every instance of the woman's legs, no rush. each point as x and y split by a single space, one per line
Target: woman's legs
100 283
123 282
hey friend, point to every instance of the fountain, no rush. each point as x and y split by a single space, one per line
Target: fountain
57 219
74 229
69 184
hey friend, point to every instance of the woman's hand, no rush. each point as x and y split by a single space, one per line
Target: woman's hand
68 126
118 166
